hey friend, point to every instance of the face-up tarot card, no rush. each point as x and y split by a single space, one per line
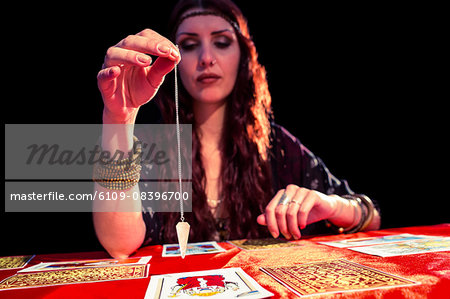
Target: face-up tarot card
219 283
73 276
87 264
255 244
192 248
406 248
332 277
375 240
14 262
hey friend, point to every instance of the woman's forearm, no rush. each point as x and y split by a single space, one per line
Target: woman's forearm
120 228
118 213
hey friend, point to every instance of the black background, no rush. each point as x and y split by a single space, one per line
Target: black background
358 85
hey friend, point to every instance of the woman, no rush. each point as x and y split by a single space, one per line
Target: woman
251 178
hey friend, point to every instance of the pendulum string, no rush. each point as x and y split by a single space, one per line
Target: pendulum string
182 227
177 120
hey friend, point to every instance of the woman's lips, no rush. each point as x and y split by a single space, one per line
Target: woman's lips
208 78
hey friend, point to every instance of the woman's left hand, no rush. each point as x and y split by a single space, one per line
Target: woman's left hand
304 206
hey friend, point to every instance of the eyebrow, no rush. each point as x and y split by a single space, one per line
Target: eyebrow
212 33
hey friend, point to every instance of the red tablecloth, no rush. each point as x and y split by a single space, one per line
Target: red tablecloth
432 270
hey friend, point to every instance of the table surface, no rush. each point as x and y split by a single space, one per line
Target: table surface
431 270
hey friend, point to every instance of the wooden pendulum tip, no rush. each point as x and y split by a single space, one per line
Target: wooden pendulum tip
183 236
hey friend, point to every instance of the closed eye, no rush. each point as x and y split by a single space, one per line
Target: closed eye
222 42
188 45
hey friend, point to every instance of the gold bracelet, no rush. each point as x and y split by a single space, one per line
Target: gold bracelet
367 213
370 210
120 174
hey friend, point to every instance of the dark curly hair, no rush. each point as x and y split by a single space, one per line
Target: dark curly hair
246 178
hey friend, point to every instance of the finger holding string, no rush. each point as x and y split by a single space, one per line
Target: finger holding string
134 50
128 65
168 56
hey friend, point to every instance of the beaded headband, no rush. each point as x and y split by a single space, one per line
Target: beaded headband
209 13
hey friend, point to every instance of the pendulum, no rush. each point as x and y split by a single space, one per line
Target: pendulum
183 235
182 226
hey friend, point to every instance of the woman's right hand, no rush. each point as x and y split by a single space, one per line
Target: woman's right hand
128 78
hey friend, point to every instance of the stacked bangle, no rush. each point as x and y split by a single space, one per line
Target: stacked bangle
367 212
120 174
368 204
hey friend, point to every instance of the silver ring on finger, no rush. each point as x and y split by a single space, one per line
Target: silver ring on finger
294 202
284 199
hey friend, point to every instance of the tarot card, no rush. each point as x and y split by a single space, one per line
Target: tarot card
87 264
255 244
218 283
14 262
406 248
192 248
375 240
332 276
73 276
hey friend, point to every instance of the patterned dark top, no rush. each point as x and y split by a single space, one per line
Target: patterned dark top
292 163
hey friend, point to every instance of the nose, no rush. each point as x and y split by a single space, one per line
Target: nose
207 57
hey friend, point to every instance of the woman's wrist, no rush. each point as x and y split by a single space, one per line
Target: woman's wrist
126 118
364 213
347 214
